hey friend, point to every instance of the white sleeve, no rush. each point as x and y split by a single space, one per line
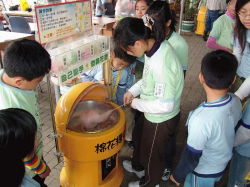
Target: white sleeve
153 106
244 89
135 90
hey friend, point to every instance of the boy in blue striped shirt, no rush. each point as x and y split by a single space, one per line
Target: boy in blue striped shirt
211 125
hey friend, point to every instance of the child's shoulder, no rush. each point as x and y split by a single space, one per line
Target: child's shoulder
177 40
236 101
165 44
220 22
165 49
216 110
176 35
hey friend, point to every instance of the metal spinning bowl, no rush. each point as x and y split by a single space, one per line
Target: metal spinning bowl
90 117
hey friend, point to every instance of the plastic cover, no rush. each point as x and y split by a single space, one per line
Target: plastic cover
92 117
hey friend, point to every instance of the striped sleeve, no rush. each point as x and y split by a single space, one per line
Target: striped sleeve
34 163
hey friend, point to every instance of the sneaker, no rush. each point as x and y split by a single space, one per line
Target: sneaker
134 184
130 144
166 174
128 167
137 184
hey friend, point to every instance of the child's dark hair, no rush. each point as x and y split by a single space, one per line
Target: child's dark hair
161 13
239 29
128 31
119 53
17 139
228 1
27 59
219 69
148 2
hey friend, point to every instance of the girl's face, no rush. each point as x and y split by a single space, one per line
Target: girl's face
140 8
244 15
137 50
231 7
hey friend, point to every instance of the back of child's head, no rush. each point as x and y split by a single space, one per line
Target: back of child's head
161 14
119 53
17 138
219 69
27 59
128 31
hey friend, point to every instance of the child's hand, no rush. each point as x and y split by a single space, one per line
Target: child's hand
101 82
174 181
46 173
127 98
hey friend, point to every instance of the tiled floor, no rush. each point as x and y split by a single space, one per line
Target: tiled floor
192 96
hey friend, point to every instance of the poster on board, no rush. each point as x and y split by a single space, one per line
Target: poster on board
58 21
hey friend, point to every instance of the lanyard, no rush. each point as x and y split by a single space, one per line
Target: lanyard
116 83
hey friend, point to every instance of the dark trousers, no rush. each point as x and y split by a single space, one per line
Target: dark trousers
40 180
170 152
150 147
211 17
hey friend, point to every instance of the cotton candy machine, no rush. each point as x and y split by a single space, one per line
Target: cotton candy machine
92 117
91 132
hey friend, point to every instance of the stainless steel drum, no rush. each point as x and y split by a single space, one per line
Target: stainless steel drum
92 117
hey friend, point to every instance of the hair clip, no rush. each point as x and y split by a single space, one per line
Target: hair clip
148 20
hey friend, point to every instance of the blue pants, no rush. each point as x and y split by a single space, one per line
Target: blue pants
211 17
239 167
195 181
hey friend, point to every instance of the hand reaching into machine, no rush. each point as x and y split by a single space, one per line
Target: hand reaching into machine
127 98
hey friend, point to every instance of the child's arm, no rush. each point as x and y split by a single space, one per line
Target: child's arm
198 135
211 43
215 34
121 90
131 75
153 106
122 84
168 84
242 134
188 162
37 165
135 90
244 89
94 75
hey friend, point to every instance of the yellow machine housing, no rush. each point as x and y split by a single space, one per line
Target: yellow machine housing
24 5
88 159
201 19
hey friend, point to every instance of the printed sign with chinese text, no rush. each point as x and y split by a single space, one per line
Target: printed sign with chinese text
76 57
63 20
